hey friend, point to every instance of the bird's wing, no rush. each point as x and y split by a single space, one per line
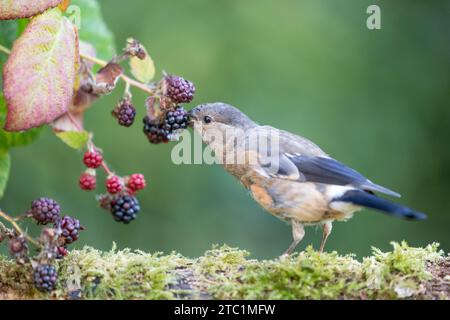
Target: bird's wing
300 159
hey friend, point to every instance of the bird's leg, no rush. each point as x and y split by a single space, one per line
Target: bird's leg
298 232
326 228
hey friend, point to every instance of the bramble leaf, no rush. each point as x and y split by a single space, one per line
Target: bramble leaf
14 9
74 139
143 70
39 74
94 30
5 164
15 139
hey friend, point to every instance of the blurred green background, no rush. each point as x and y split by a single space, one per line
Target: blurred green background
376 100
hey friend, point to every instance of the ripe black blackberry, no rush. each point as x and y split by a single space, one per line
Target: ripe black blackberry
155 132
176 119
125 113
45 277
124 208
70 229
178 89
45 210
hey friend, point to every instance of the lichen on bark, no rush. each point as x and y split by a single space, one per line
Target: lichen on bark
227 273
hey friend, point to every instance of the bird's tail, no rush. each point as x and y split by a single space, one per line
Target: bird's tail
366 199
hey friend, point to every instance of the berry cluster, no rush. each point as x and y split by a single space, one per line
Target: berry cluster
52 243
120 200
175 119
165 117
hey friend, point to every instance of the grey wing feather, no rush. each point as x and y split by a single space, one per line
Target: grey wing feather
302 160
330 171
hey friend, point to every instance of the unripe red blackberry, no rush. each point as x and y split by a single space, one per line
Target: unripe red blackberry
70 229
45 277
124 208
125 113
93 159
61 252
87 181
154 132
176 119
114 184
136 182
178 89
45 210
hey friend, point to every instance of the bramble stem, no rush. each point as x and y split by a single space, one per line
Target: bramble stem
17 228
125 78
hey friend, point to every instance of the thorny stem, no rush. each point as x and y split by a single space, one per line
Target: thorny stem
18 228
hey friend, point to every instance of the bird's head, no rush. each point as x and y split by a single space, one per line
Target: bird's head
219 116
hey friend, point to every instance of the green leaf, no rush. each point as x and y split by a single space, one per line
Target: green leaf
93 28
24 8
15 139
74 139
39 75
143 70
5 163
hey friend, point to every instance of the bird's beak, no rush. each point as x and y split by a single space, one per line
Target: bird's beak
193 115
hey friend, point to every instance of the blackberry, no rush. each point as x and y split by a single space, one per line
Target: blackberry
87 181
124 208
178 89
125 113
155 132
136 182
176 119
45 210
18 248
113 184
45 277
93 159
70 229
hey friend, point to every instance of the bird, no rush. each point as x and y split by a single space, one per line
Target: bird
290 176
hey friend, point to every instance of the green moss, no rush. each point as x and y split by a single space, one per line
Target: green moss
226 273
311 275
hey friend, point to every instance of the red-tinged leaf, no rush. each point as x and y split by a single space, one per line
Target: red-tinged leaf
39 75
15 9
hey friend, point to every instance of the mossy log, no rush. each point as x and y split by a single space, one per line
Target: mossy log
226 273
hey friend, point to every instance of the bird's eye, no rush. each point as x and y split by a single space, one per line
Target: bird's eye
207 119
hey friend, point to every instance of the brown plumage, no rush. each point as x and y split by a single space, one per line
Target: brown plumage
288 175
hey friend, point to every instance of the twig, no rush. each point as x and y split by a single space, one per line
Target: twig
17 228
